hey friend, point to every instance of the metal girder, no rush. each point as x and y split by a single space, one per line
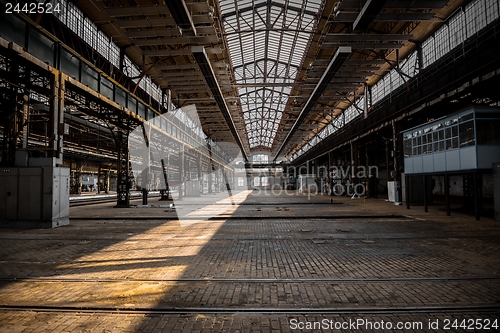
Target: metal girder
137 10
167 32
180 75
181 15
191 90
268 85
152 33
367 37
217 64
420 4
350 62
201 58
178 52
160 22
341 88
123 176
177 40
347 80
360 72
268 3
218 72
367 15
353 74
370 62
187 83
407 17
337 82
354 45
335 64
144 23
148 10
188 80
357 69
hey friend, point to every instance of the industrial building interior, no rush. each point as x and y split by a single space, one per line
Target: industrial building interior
249 165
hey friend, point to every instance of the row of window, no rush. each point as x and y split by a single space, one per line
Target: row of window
453 134
74 19
464 24
179 124
452 137
83 26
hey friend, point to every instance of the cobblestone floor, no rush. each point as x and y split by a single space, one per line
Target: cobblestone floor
273 265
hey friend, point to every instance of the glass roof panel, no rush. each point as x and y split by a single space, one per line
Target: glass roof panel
267 41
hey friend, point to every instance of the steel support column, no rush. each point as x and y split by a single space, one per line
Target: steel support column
447 192
407 190
165 193
77 178
477 194
354 159
11 125
426 200
56 114
181 172
123 181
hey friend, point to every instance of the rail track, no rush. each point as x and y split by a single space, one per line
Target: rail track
106 198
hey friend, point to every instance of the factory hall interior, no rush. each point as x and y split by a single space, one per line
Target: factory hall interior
249 166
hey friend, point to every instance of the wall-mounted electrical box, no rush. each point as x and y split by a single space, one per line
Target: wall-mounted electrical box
34 197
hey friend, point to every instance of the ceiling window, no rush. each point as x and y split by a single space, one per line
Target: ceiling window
267 43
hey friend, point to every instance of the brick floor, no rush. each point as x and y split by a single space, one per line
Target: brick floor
30 321
299 260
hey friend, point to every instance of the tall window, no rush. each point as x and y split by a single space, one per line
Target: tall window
264 181
260 158
241 181
256 181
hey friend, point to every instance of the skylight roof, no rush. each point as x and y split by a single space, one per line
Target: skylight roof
267 42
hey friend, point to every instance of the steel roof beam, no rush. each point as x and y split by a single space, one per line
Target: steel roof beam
354 62
148 10
266 4
403 17
407 4
206 68
161 22
367 37
178 40
167 32
181 15
335 64
217 64
177 52
367 14
381 46
420 4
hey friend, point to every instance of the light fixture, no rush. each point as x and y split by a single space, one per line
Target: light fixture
203 62
180 14
338 59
